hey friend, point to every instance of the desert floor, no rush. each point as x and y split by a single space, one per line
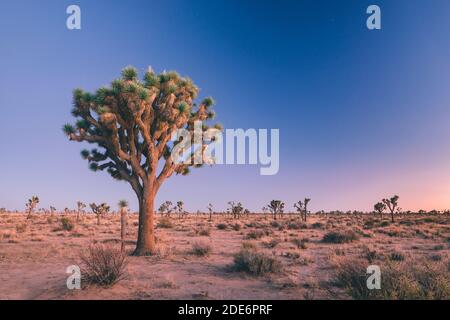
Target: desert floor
34 255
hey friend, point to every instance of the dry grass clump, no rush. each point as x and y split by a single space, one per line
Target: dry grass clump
103 265
204 232
405 280
21 228
201 249
67 224
271 244
300 243
256 263
165 222
256 234
340 237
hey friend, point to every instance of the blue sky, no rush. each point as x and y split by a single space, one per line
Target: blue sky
362 114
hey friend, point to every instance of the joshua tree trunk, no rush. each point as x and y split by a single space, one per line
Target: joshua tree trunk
146 234
392 216
123 224
98 219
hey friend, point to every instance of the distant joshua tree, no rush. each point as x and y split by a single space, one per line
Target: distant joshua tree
166 208
391 204
380 207
52 211
133 122
80 207
210 209
179 207
2 210
236 209
302 208
276 207
99 210
123 207
265 210
31 205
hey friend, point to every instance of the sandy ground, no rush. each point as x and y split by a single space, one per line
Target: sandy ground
34 255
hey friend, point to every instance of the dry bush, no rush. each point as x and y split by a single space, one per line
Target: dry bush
340 237
221 226
256 263
396 256
67 224
165 222
271 244
201 249
406 280
103 265
21 228
236 227
257 234
204 232
300 243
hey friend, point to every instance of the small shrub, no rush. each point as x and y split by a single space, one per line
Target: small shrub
317 225
255 234
296 226
103 265
67 224
21 228
300 243
256 263
384 224
204 232
407 280
248 245
271 244
201 249
221 226
340 237
397 256
236 227
165 222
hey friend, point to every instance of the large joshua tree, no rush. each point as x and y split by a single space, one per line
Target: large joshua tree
132 122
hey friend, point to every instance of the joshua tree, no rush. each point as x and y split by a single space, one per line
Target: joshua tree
236 209
80 207
179 208
52 211
210 209
265 210
391 204
133 122
31 205
380 207
302 208
276 207
99 210
166 207
123 206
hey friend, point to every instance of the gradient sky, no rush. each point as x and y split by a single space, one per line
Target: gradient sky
362 114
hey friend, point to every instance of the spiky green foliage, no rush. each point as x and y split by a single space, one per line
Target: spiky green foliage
123 204
132 122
